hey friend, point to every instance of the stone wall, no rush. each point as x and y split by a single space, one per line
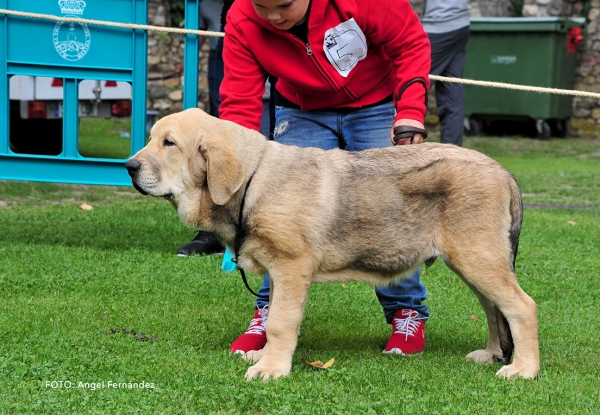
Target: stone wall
165 65
479 8
586 111
492 8
554 8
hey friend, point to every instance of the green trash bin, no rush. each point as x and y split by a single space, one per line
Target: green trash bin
526 51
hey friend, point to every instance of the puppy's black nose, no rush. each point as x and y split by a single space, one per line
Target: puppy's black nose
133 166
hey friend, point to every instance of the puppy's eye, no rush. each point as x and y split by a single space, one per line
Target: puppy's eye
168 143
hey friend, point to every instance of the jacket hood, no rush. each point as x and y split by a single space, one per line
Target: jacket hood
316 10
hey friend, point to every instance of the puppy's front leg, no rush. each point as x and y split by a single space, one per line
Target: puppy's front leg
288 296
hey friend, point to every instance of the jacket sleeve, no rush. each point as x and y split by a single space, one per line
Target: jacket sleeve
243 83
394 25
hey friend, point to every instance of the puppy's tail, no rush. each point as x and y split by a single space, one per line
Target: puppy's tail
516 214
506 341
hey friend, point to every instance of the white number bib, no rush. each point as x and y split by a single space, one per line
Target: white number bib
344 46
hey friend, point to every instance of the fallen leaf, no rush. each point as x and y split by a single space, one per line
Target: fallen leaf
572 223
474 317
318 364
85 206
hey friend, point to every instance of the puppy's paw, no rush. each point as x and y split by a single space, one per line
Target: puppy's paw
266 372
514 371
485 356
253 356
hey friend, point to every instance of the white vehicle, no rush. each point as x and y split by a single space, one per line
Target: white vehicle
36 108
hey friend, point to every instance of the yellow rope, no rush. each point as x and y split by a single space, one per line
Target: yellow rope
221 34
112 24
515 87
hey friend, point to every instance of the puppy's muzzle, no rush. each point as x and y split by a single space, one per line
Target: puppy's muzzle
133 166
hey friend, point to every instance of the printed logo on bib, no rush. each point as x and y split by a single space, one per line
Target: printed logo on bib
344 46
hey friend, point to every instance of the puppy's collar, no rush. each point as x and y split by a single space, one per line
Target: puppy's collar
241 231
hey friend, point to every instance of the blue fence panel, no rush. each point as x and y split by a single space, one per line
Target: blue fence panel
74 52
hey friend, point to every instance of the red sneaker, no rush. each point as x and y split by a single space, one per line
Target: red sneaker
408 335
255 337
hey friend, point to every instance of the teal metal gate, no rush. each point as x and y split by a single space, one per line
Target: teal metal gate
73 52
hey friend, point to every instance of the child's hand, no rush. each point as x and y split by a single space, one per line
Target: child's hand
417 139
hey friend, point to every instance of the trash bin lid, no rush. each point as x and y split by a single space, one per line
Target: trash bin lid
525 24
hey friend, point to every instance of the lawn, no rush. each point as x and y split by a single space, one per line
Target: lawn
105 137
95 302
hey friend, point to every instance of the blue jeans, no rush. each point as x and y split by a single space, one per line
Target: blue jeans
215 77
352 130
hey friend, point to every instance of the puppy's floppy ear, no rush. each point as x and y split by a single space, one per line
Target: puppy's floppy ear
224 170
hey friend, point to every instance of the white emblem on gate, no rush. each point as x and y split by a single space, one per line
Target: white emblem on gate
72 41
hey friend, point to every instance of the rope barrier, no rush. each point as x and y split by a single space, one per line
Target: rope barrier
112 24
221 34
515 87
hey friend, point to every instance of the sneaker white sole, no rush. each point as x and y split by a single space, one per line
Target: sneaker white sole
400 352
186 256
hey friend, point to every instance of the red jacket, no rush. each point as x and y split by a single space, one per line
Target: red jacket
397 50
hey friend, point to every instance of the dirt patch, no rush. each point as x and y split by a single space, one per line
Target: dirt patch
557 206
138 335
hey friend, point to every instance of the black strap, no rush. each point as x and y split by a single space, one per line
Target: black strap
240 232
243 273
408 131
240 235
409 83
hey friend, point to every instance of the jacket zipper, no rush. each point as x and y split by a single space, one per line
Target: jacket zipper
309 51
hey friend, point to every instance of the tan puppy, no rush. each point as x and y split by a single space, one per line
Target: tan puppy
330 216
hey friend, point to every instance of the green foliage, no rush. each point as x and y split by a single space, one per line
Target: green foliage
177 12
586 5
517 7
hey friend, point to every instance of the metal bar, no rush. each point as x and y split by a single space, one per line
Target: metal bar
62 170
70 118
139 85
191 57
17 68
4 88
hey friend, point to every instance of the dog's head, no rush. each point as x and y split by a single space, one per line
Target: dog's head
190 154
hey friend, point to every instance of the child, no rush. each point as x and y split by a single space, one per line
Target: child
348 71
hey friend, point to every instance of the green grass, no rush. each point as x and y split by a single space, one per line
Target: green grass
78 288
549 172
101 137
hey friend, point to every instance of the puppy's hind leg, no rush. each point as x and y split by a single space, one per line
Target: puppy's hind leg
500 344
520 312
492 353
496 285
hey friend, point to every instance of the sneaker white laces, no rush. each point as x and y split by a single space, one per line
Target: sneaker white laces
409 325
259 325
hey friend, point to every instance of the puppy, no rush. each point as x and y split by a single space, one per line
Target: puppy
305 215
